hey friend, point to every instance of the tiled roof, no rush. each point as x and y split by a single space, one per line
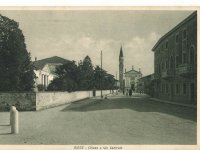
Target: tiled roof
51 61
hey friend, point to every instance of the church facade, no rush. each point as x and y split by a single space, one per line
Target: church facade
131 79
128 79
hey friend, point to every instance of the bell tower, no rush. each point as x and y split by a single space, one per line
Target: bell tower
121 69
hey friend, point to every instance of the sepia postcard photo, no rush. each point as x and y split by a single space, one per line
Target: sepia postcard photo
105 78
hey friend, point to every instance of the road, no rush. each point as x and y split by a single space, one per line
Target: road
116 120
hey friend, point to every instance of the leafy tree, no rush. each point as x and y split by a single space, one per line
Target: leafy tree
86 74
102 79
67 78
72 77
16 69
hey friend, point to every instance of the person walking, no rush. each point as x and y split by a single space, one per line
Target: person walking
130 92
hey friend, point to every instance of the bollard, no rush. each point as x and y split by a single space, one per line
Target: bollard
14 120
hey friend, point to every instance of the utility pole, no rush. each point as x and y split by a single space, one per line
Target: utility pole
101 75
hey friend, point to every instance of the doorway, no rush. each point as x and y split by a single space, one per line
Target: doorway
133 87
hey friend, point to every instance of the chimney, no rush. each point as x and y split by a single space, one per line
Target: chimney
35 58
132 67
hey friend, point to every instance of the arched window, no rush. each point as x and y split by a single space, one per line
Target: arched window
177 59
171 62
192 55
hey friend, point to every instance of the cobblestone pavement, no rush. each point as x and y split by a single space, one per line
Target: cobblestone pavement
116 120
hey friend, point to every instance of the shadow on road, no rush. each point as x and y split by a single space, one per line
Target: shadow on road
5 133
141 105
4 125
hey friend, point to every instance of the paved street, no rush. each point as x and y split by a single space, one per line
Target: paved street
116 120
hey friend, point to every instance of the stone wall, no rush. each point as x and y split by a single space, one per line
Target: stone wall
41 100
22 101
50 99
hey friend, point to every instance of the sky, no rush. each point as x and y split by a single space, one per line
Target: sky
74 34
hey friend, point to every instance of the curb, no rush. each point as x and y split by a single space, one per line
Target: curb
173 103
79 105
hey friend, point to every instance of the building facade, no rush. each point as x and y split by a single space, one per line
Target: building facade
45 70
127 79
145 85
175 63
131 79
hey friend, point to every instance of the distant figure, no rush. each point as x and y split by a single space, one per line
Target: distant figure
94 91
130 92
127 92
123 92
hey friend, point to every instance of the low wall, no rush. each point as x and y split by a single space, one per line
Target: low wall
50 99
22 101
42 100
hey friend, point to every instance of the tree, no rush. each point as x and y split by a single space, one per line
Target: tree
72 77
86 74
67 78
103 80
16 68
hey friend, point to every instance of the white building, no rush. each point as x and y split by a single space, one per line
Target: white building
127 80
45 70
131 79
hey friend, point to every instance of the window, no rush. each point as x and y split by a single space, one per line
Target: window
191 55
159 68
167 64
184 45
177 88
177 38
184 88
163 65
176 61
184 58
163 88
184 34
171 62
167 88
166 44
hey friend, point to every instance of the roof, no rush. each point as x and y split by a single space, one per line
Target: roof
51 61
121 52
145 77
194 14
132 71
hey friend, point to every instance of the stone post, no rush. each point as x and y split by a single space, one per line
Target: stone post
14 120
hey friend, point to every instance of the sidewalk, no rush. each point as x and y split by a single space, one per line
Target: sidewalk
120 95
173 103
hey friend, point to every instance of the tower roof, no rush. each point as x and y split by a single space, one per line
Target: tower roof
121 52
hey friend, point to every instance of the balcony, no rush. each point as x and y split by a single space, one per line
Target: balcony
166 74
186 70
154 77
